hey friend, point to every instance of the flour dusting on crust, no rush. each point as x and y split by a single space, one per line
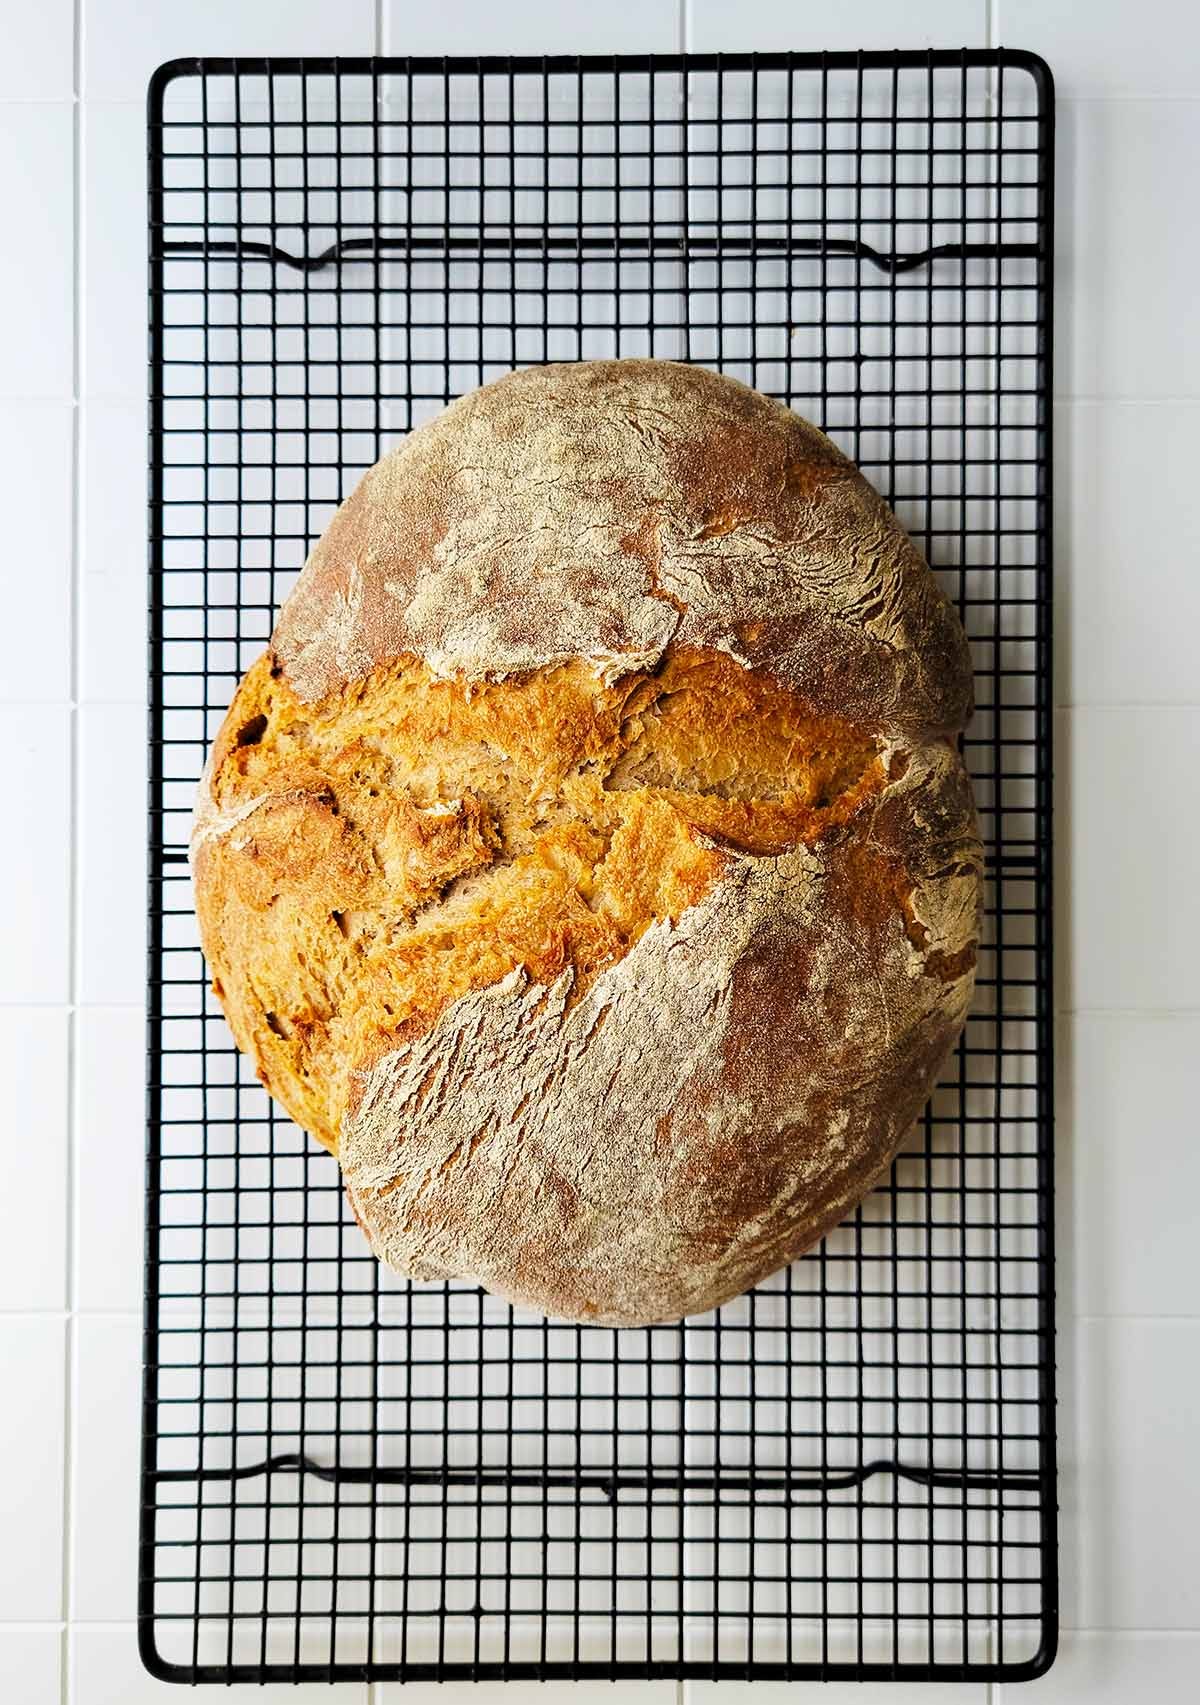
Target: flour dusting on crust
614 1100
606 510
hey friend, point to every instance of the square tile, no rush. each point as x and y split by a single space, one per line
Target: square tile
34 1067
1127 1123
106 1398
30 1665
533 26
1123 560
1138 1417
1129 817
109 1156
113 312
124 40
1153 49
38 62
1111 1669
1126 260
763 25
1070 1490
112 567
112 854
35 853
37 303
37 455
32 1436
106 1670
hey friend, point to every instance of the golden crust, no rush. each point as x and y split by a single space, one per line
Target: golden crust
589 862
364 861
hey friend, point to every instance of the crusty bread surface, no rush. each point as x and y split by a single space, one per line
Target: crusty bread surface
589 862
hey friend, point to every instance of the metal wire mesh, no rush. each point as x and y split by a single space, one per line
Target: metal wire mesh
849 1472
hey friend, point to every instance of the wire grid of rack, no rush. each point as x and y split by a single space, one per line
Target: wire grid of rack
849 1472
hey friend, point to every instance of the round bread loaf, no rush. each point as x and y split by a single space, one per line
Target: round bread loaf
589 862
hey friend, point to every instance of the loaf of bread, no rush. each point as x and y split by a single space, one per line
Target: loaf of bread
589 863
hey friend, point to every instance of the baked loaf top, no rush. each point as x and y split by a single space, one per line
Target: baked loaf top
589 862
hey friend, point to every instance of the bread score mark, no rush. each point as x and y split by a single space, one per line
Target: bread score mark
413 839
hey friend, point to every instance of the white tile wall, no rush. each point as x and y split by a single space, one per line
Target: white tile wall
36 467
1152 48
112 859
34 853
37 356
72 159
106 1398
32 1435
1138 1419
35 1069
1126 534
1129 1282
112 582
112 312
38 62
123 40
1129 904
717 26
110 1043
31 1665
105 1670
1132 1162
1112 1669
1124 254
538 26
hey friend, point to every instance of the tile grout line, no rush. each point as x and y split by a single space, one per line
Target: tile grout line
70 1206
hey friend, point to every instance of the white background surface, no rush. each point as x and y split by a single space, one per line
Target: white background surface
72 461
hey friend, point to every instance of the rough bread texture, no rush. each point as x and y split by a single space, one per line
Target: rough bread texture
589 862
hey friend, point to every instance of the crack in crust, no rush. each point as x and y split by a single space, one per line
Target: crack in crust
426 838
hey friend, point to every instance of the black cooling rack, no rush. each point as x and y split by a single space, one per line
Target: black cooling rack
850 1472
